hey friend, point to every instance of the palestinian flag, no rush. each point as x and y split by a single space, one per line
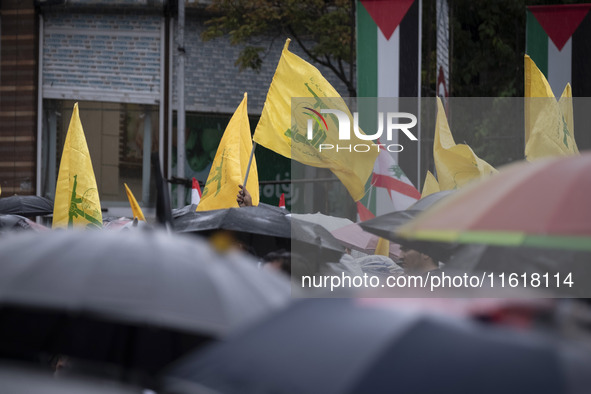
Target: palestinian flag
557 40
388 48
389 62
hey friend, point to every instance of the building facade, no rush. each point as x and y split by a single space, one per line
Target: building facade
118 59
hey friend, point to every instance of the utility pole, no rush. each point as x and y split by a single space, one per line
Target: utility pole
180 123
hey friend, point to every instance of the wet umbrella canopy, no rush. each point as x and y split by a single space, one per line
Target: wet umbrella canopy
135 299
254 220
264 229
344 346
385 226
330 223
31 381
543 204
11 223
314 242
28 206
354 237
565 273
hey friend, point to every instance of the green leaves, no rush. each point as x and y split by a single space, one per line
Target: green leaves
324 30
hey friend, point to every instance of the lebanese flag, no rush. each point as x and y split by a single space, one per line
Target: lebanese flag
390 189
557 40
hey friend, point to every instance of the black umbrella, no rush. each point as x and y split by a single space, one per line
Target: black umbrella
27 206
135 299
254 220
549 270
314 242
344 346
176 212
431 199
264 229
32 381
385 226
11 223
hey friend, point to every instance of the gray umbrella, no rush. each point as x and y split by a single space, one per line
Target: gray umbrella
385 226
553 267
28 206
265 228
431 199
348 346
253 220
22 380
314 242
136 299
262 228
11 223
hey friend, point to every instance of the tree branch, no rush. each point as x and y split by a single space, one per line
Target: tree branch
327 63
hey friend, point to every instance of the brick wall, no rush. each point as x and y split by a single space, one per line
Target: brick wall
18 97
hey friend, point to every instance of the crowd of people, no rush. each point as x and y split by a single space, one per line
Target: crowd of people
560 318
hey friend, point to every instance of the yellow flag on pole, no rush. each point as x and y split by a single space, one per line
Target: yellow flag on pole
77 200
549 126
456 165
296 78
430 186
230 165
135 207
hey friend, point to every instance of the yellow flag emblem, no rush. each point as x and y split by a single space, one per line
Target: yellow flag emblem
77 200
549 126
297 79
230 164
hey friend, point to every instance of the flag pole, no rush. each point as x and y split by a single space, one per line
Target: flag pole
254 145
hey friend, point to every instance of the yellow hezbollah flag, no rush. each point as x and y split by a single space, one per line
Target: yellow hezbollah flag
565 104
298 79
549 126
456 165
536 85
430 186
76 195
230 164
135 207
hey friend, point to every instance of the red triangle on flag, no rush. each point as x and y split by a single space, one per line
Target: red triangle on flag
560 21
195 193
282 201
196 186
363 212
387 14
